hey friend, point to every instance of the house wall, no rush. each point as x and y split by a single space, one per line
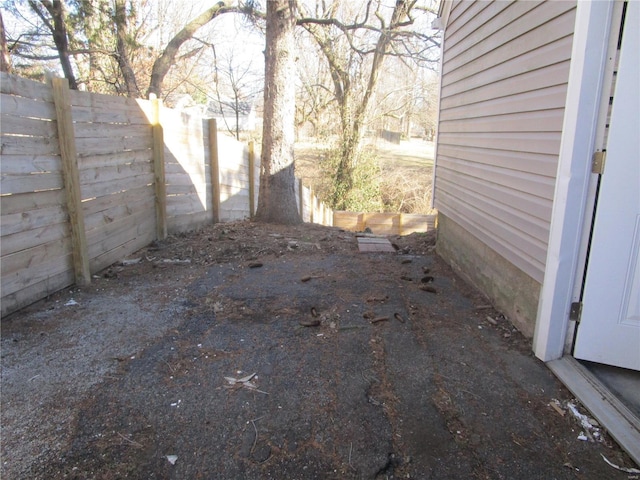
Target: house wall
505 70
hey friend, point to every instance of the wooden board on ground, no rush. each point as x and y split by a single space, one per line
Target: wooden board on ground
375 244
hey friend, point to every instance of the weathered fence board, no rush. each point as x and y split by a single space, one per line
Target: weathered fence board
31 201
108 215
99 189
90 115
30 164
26 107
136 243
31 238
27 277
118 232
15 267
23 221
16 184
188 205
28 145
23 87
114 174
196 177
229 191
112 130
411 223
179 189
112 144
384 223
89 159
192 221
130 198
13 124
97 101
36 291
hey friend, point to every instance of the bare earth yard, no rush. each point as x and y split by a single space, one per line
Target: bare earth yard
199 361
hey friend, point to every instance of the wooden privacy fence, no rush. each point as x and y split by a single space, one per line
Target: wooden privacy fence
87 179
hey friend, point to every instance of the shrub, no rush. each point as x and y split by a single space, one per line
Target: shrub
364 195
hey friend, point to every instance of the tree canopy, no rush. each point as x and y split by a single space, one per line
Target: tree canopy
125 47
143 47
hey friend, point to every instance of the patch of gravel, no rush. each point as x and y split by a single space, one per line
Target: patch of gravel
56 351
54 356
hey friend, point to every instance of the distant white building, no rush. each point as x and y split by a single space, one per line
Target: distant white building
229 113
186 103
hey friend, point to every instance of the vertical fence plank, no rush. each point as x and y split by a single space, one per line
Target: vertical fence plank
158 171
311 204
67 142
215 169
301 197
252 178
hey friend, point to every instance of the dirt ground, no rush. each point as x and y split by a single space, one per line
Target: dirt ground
203 360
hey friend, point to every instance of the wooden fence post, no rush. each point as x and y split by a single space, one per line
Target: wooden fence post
301 195
215 169
158 171
312 202
67 142
252 178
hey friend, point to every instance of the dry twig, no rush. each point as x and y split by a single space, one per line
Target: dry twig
132 442
255 440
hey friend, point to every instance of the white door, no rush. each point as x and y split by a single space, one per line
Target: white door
609 329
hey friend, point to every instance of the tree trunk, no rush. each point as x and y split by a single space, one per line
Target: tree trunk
277 199
122 32
59 32
5 60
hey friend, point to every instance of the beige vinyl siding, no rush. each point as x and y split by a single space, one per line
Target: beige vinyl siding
504 83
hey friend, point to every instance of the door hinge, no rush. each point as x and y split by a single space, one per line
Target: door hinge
576 311
597 164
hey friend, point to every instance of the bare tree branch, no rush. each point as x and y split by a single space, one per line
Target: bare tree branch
83 51
162 65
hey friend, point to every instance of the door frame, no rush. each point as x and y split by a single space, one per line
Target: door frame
586 107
